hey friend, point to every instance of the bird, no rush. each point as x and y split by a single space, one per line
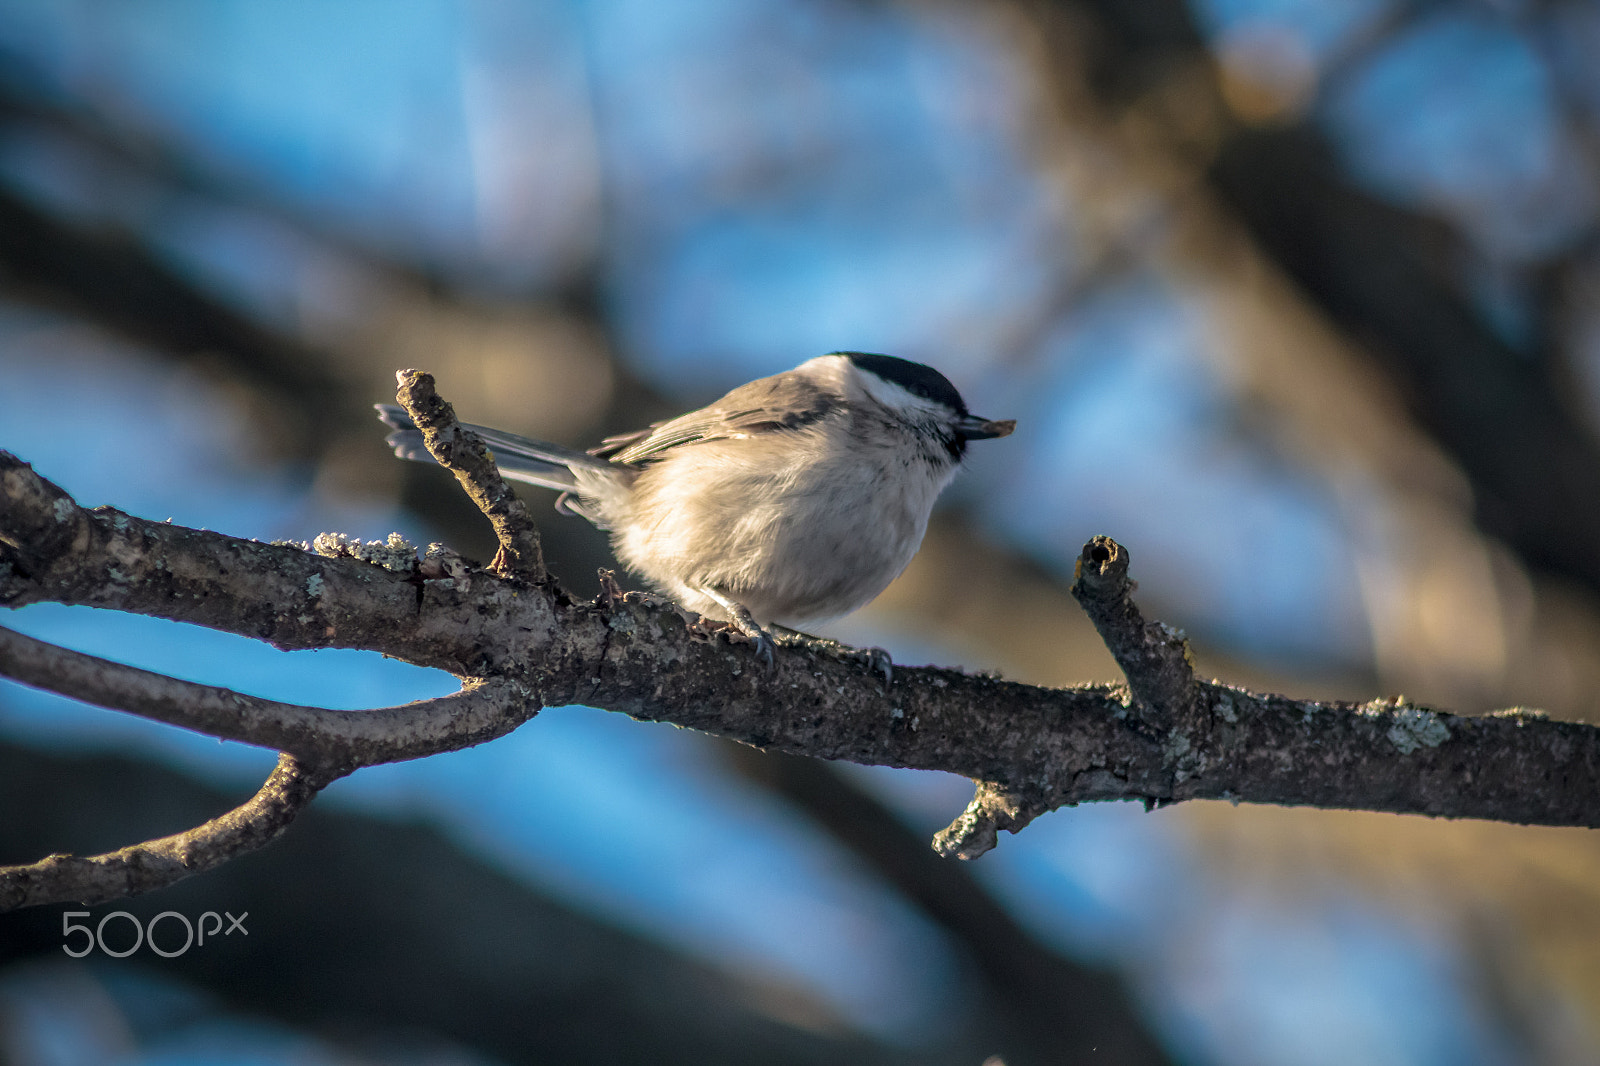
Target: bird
792 501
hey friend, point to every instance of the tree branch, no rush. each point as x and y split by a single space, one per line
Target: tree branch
1162 738
1154 657
159 863
461 452
316 735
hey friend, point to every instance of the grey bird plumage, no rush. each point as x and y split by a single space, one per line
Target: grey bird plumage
791 501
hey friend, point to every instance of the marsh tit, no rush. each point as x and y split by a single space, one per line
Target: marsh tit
790 502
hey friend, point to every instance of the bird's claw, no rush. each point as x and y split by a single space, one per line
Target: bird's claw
743 622
759 637
764 645
878 662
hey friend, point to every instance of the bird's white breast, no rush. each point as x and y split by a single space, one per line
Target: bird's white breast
799 535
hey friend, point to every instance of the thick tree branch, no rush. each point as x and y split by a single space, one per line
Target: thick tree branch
159 863
1164 737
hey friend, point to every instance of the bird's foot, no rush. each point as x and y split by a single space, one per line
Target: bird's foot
746 623
876 660
740 618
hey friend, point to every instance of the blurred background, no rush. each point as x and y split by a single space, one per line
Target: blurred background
1297 299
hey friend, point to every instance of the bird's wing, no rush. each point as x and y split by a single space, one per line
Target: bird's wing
786 401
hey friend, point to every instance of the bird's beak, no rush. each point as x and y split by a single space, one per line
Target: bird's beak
974 428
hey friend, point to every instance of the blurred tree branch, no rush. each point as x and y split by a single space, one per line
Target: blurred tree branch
519 645
1391 279
114 280
1382 274
1065 1010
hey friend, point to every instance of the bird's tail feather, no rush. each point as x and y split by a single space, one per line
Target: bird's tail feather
519 458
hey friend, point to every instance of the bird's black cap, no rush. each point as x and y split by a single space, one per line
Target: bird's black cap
915 378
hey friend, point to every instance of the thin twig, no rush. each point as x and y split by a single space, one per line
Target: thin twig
155 864
464 454
481 711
